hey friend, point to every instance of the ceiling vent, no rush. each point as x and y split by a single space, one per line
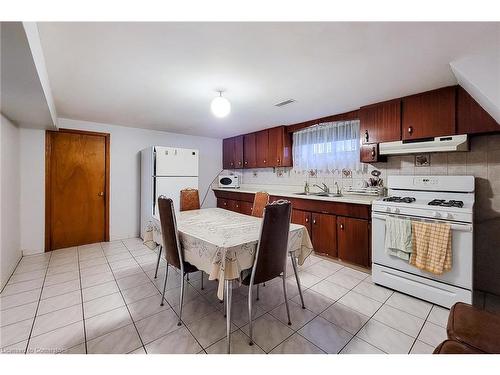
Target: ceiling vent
284 102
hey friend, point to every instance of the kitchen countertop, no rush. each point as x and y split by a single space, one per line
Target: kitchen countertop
290 193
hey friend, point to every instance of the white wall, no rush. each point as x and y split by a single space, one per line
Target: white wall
126 142
32 162
10 250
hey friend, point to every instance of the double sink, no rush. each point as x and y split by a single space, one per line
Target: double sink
320 194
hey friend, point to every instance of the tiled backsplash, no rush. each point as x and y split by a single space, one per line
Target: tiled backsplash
482 161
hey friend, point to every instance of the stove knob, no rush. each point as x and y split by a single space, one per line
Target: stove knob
449 216
437 214
388 209
396 210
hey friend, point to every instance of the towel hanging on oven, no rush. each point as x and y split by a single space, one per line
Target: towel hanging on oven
398 238
431 247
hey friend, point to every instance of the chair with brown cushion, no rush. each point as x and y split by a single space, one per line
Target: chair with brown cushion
260 201
173 251
190 200
474 327
271 254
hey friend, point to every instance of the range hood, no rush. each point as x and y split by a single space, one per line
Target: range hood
437 144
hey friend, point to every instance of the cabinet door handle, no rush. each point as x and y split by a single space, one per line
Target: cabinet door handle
307 220
410 130
264 160
225 203
314 221
232 163
279 161
342 226
373 152
246 162
239 162
366 136
237 206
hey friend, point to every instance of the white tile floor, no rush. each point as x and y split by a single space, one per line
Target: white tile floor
103 298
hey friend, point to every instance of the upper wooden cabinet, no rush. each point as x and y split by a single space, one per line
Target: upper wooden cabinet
280 147
381 122
429 114
262 148
471 117
265 148
249 151
232 152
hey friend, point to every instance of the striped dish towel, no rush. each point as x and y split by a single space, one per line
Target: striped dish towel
431 247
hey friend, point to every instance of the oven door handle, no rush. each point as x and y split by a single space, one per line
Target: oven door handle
453 226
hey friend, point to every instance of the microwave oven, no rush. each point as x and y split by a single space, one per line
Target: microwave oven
229 181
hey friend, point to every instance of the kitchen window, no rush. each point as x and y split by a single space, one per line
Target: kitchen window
327 147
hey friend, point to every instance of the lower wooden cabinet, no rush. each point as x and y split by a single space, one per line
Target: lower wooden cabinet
324 233
353 240
342 232
302 218
246 207
235 205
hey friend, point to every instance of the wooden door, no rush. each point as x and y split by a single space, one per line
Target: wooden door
228 153
238 152
354 240
302 218
429 114
324 234
249 151
381 122
77 188
262 147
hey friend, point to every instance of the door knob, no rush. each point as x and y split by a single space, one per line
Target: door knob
410 130
101 194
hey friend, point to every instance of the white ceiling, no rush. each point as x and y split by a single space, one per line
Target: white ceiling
164 75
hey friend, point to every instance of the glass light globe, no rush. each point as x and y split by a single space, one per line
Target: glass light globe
220 106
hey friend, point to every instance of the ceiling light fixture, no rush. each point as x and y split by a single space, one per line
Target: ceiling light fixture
220 106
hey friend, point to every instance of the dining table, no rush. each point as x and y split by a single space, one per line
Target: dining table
223 244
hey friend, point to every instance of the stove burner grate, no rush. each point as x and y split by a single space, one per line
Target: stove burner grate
400 199
445 203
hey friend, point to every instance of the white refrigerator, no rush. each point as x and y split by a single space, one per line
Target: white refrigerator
165 171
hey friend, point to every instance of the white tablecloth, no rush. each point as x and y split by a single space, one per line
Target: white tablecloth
223 243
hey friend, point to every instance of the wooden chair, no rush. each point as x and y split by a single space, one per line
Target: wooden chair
271 254
173 251
190 200
259 203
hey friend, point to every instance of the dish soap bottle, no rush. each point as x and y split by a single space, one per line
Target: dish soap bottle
306 188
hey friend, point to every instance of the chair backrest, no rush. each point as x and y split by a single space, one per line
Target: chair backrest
270 258
190 200
171 244
260 201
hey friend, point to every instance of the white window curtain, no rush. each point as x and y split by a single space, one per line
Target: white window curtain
327 147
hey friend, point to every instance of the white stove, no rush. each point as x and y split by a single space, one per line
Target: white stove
447 199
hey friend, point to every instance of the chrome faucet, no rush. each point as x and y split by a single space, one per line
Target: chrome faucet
324 188
338 189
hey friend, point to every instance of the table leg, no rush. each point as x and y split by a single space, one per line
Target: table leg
294 264
229 293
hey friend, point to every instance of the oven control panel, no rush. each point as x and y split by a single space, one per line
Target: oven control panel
425 182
